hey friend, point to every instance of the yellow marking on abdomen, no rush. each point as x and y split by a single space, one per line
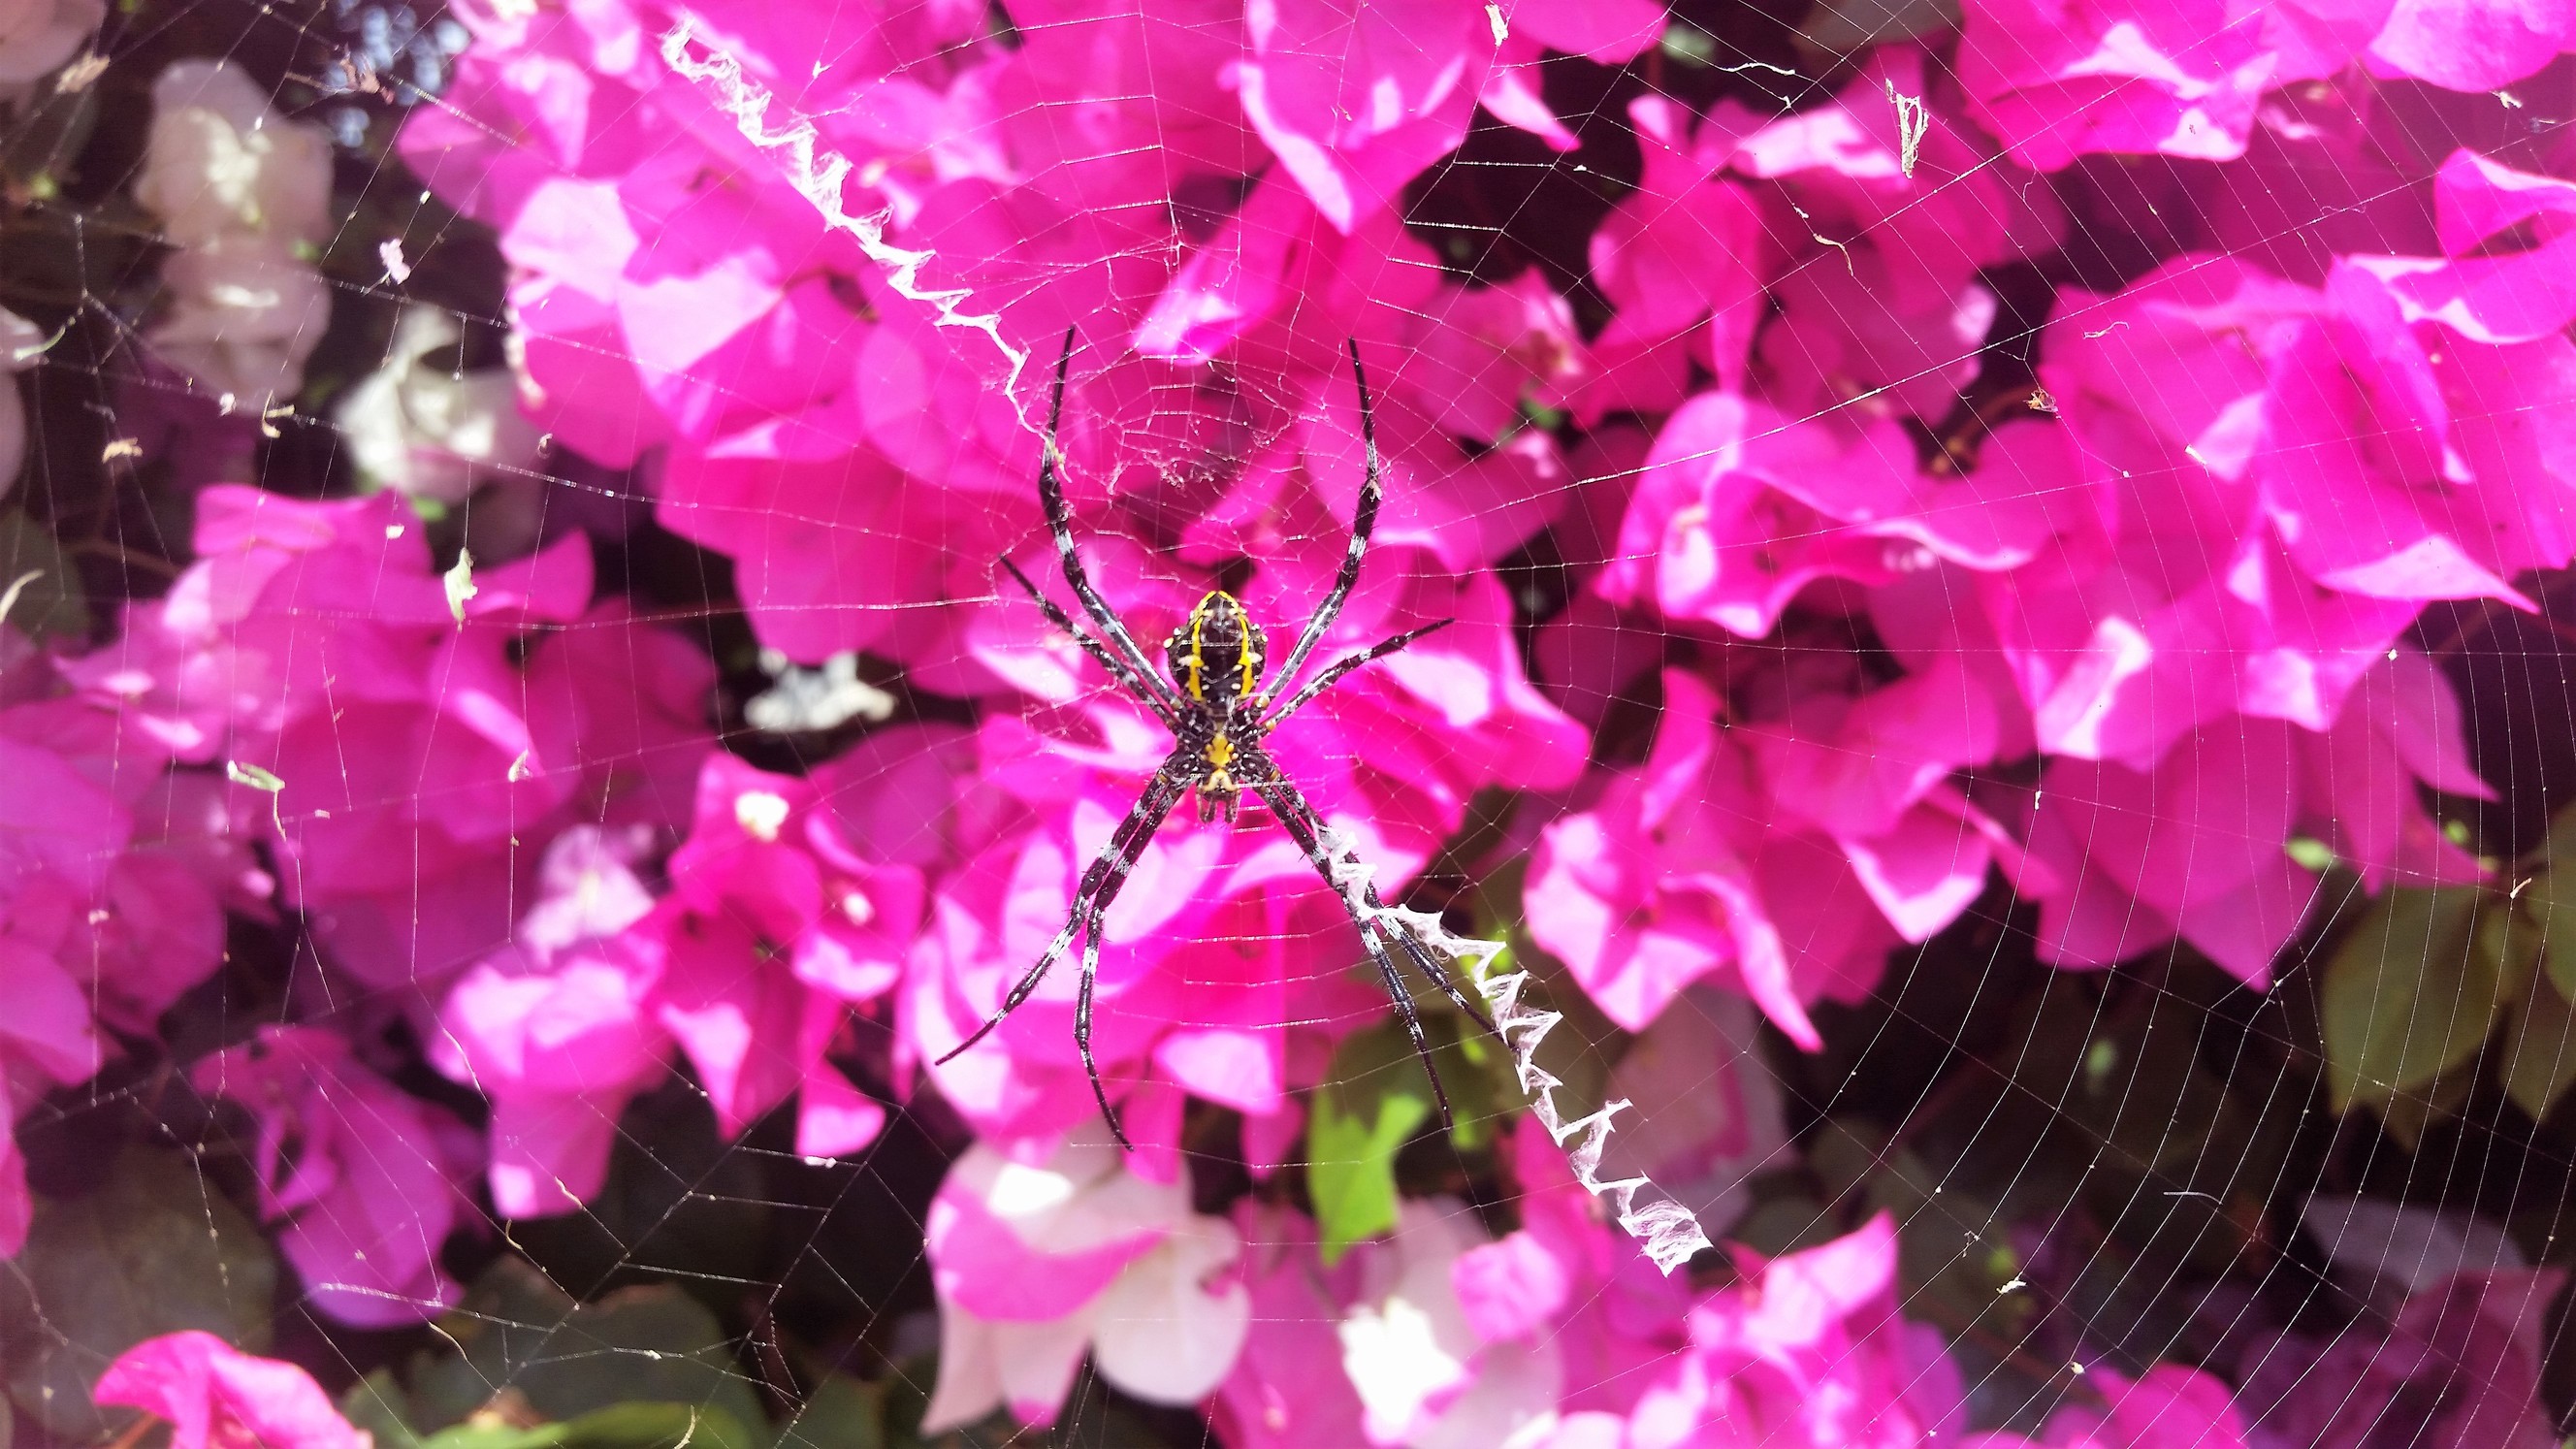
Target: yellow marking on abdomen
1198 642
1198 645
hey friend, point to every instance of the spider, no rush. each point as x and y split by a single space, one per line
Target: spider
1218 711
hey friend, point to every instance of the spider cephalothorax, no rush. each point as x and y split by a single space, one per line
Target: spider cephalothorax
1218 711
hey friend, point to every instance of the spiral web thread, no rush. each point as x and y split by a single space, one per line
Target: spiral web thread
1663 1227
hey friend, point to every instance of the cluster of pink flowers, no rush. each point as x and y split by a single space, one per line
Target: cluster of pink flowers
2140 624
115 873
404 744
409 726
2182 575
2189 564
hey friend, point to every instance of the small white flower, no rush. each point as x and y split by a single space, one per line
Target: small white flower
1406 1342
245 194
432 432
220 163
1159 1333
242 318
20 342
1423 1378
1166 1329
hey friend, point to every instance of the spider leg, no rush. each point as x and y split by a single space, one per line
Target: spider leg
1116 666
1304 825
1299 821
1363 522
1112 864
1095 913
1082 1019
1060 523
1340 667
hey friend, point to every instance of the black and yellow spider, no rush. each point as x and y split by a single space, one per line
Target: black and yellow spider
1218 712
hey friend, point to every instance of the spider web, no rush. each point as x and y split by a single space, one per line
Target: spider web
2089 1171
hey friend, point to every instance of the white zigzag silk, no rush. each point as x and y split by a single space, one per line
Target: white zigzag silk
1663 1227
818 174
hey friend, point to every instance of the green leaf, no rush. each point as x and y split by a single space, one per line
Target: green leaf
2410 1116
2547 891
842 1413
38 579
2412 993
49 132
491 1431
1841 27
632 1425
2550 898
677 1192
376 1404
2540 1058
2309 853
1372 1099
1690 45
664 1426
517 1331
1776 1227
155 1250
2509 938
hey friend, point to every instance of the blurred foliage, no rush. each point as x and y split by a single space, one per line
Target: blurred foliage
519 1337
154 1249
2432 989
39 585
640 1424
1372 1099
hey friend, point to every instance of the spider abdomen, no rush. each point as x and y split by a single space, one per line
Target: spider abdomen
1217 653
